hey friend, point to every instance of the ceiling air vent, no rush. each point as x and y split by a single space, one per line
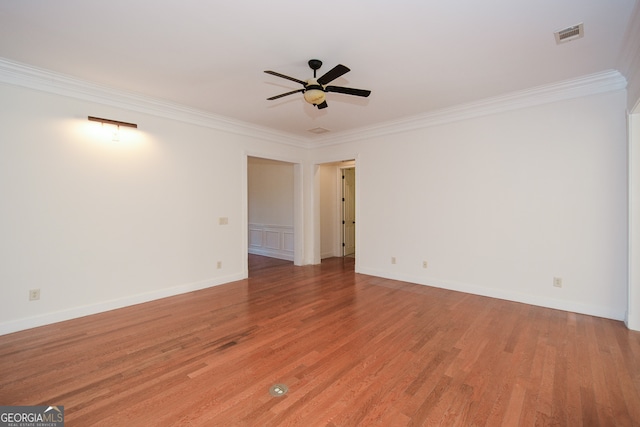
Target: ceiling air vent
318 131
568 34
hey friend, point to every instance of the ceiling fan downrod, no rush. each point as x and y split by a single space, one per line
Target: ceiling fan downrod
315 64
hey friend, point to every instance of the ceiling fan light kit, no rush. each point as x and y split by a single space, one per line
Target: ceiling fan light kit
314 93
314 90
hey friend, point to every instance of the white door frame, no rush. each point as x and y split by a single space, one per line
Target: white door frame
342 201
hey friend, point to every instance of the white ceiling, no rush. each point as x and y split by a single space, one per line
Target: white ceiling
416 56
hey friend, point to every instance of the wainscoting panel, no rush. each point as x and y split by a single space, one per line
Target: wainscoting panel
274 241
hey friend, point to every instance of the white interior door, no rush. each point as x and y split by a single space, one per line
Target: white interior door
348 211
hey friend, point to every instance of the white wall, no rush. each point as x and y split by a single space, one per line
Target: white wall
500 205
97 224
629 59
270 191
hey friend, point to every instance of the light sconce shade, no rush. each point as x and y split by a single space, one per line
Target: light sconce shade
112 122
116 133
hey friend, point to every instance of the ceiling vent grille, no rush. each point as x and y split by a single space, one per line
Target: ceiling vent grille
318 131
570 33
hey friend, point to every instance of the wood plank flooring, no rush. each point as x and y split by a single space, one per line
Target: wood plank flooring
354 350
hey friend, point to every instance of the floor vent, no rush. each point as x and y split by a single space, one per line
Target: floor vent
278 390
568 34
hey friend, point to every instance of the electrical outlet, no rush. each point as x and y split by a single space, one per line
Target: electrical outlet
219 265
424 264
393 260
223 220
557 282
34 294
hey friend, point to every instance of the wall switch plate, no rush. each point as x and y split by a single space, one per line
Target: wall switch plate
223 220
557 282
34 294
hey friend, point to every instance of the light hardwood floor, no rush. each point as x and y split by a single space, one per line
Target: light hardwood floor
354 350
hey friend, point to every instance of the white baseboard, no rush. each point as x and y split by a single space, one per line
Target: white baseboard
328 255
75 312
569 306
271 253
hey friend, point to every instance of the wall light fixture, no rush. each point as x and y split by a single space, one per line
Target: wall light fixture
117 123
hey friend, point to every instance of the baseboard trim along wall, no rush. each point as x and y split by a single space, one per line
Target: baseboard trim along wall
556 304
73 313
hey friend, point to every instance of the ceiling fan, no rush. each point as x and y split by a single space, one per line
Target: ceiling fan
314 90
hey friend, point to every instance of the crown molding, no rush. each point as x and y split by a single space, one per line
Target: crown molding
18 74
607 81
15 73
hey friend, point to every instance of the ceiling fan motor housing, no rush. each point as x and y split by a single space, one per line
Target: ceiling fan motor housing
315 64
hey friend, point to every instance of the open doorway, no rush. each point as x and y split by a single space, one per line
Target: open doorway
270 216
337 209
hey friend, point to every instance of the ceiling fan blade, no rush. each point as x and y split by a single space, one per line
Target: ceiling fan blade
273 73
323 105
333 74
284 94
348 90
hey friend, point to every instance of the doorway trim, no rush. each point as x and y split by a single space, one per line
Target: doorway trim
342 207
